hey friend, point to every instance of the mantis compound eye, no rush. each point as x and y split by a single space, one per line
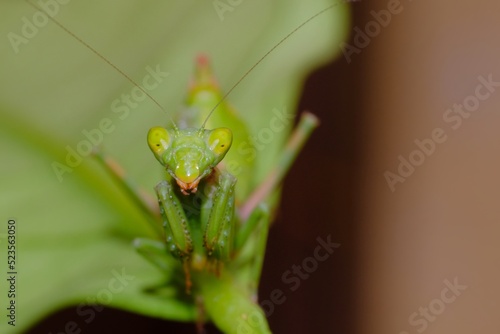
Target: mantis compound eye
158 140
219 141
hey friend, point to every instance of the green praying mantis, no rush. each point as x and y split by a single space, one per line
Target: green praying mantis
214 223
216 231
209 225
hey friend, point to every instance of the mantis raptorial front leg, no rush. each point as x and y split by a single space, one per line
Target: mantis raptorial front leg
217 221
176 226
175 222
218 212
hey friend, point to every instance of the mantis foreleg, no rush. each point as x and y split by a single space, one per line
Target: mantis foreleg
219 212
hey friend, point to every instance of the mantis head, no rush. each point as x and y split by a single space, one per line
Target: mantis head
189 155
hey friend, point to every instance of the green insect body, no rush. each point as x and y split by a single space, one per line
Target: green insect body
190 157
202 226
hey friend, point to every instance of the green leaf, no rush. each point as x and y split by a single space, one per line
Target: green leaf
74 231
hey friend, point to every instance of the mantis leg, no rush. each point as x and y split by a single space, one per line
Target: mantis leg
176 226
256 225
308 122
250 226
218 210
253 213
155 252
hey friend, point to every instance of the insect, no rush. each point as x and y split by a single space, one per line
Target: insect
204 228
217 233
214 226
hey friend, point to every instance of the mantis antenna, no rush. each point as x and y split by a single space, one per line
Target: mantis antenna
73 35
264 57
106 60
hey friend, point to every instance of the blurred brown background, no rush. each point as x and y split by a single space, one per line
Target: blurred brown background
442 223
421 258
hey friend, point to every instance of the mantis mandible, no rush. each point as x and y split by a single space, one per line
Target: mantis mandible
214 227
